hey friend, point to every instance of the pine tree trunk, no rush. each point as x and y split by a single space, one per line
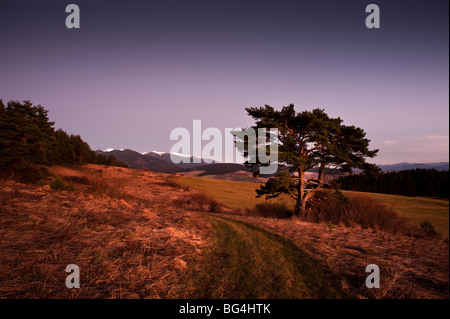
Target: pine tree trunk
298 208
300 205
304 214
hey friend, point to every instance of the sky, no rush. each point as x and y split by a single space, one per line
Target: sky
136 70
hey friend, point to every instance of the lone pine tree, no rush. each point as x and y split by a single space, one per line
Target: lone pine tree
307 140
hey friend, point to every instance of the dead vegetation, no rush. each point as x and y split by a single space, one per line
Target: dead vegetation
137 234
127 242
357 210
199 201
410 267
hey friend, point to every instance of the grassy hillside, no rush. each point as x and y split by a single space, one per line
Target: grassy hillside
128 240
237 195
137 234
241 195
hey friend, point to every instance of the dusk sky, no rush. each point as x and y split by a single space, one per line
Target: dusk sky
135 70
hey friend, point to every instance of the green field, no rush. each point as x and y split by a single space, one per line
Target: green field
237 195
417 209
241 195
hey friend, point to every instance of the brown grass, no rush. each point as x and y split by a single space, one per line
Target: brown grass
410 267
199 201
137 234
127 242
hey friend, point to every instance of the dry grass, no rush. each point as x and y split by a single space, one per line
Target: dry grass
127 241
199 201
410 267
137 234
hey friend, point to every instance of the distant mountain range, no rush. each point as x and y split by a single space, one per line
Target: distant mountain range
141 161
161 162
441 166
168 158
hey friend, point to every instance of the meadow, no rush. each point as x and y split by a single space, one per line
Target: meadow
241 195
140 234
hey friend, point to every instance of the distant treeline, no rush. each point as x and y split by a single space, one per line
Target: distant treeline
27 137
414 182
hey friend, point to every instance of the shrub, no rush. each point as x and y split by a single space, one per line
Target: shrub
330 225
170 183
271 210
29 174
333 207
58 183
199 201
429 229
214 206
77 179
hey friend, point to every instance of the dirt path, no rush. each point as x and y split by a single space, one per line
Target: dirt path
247 262
410 267
139 234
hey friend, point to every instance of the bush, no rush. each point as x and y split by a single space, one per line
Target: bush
429 229
77 179
333 207
58 183
199 201
330 225
271 210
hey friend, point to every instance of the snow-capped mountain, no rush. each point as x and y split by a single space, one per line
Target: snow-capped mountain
140 161
154 160
181 158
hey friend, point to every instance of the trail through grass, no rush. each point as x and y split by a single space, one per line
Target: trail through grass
248 262
241 195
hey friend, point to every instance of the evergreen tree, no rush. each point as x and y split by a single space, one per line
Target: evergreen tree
27 136
418 182
306 140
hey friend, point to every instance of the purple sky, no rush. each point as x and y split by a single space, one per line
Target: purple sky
135 70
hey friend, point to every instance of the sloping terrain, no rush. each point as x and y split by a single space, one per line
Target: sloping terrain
248 262
416 209
138 234
409 267
118 226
